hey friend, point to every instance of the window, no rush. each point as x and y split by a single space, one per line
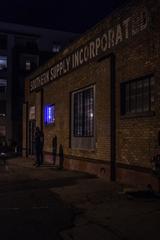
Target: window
2 131
49 114
28 62
26 43
137 96
84 113
3 42
28 65
2 108
32 113
83 119
32 45
3 63
3 85
56 48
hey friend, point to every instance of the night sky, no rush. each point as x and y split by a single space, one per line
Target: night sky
74 16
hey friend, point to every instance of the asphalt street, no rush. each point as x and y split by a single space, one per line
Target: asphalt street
46 203
28 207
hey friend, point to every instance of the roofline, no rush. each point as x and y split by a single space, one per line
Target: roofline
18 33
123 5
33 27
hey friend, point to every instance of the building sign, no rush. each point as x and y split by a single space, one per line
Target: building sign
32 113
110 38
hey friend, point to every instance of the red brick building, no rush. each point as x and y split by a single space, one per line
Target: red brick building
100 97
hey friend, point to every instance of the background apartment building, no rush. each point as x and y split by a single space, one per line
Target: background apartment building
22 49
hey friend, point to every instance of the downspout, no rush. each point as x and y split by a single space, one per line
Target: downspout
113 116
112 113
41 124
27 122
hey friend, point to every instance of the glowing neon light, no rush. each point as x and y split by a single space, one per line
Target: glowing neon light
49 114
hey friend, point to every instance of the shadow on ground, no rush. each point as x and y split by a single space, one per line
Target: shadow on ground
28 207
143 194
29 184
34 219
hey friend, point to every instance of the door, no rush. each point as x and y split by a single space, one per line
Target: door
32 127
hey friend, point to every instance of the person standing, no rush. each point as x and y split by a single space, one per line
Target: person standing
54 149
39 142
61 156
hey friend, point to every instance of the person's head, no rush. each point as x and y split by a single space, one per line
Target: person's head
37 129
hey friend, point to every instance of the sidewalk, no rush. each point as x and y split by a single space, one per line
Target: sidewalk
102 210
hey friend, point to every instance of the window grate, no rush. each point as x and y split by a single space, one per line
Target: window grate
84 113
137 96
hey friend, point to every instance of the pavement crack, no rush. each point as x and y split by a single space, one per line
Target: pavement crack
115 232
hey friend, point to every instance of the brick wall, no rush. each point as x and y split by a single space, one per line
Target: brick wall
136 137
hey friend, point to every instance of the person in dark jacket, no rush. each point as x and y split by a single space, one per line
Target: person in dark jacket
54 149
61 156
39 142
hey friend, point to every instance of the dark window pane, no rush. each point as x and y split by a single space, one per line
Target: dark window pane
146 95
152 99
133 97
78 114
127 98
138 96
2 108
3 42
84 113
88 112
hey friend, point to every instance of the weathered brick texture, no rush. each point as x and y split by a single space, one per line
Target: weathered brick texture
136 137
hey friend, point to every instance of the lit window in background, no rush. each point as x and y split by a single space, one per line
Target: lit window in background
56 48
28 65
3 62
3 85
49 114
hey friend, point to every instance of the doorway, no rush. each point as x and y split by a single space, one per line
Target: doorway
32 127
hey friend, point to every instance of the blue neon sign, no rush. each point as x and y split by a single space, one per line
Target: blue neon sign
49 114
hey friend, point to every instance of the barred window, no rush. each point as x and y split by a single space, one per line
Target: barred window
137 96
83 115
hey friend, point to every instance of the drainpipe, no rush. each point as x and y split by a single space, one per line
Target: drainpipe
27 122
113 117
112 113
41 123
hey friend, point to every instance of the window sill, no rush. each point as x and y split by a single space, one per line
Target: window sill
84 150
3 70
138 115
49 124
87 150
